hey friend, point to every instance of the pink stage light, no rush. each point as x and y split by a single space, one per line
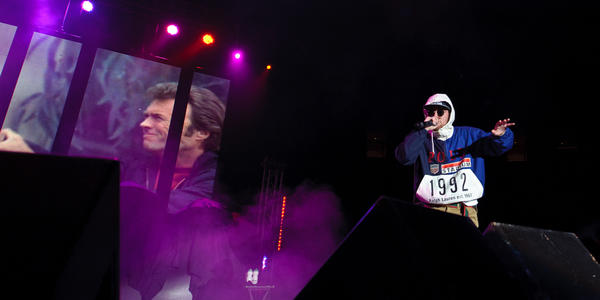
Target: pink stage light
237 55
172 29
87 6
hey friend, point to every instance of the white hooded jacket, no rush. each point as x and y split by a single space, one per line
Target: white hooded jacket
445 132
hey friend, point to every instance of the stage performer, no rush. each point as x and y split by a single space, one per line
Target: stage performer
449 161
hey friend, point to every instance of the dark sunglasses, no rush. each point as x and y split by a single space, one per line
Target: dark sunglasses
429 112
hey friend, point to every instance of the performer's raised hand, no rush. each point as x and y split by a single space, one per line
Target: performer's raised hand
501 126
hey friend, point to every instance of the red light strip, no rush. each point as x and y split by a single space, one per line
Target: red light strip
281 224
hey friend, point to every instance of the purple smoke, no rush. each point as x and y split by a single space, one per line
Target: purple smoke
314 226
217 253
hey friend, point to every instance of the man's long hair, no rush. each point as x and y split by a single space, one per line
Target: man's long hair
208 111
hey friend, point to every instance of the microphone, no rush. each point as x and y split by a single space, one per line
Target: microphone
421 125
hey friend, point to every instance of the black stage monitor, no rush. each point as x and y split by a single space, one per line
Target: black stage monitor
59 226
403 251
548 264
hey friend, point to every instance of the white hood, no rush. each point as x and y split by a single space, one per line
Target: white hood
445 132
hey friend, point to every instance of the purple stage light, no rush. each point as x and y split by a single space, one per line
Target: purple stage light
237 55
87 6
172 29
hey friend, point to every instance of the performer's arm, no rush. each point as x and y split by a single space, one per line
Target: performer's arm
494 143
408 151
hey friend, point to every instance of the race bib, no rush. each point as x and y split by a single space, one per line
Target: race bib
459 186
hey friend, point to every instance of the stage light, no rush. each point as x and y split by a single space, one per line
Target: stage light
264 262
269 67
87 6
172 29
237 55
208 39
279 240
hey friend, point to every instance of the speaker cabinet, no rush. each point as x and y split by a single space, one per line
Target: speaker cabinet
59 226
401 251
548 264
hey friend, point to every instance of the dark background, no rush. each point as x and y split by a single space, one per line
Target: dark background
349 77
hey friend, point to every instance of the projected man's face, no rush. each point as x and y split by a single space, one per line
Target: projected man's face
155 126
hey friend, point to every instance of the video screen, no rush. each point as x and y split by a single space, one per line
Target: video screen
126 114
7 32
39 97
